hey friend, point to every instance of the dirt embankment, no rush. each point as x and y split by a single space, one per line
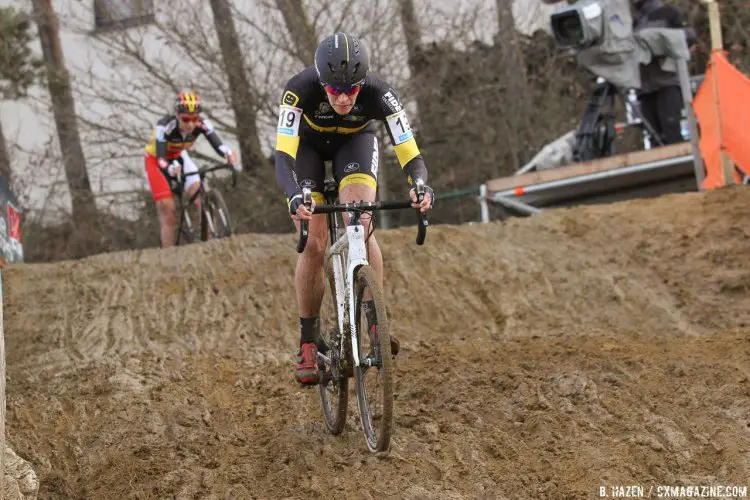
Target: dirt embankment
541 357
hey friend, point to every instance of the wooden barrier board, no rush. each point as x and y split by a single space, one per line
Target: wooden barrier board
590 167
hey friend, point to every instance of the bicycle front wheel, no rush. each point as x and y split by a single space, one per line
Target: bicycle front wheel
184 233
334 389
373 377
215 221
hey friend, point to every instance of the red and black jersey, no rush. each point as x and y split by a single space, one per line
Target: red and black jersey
167 141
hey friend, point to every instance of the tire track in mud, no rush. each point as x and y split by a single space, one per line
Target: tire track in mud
541 358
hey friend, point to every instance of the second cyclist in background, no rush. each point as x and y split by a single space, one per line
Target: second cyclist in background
166 154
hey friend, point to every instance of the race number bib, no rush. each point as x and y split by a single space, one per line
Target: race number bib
399 127
289 118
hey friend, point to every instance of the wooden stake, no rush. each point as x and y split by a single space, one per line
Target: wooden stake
717 44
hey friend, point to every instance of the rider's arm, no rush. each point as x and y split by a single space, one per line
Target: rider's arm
163 127
397 124
209 131
287 139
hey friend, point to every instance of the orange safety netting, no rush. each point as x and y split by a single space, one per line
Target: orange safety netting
724 125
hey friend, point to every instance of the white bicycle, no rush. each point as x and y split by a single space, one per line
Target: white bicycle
351 342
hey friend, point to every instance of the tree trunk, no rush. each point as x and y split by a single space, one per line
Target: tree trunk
511 66
303 32
507 38
63 107
5 169
412 32
243 104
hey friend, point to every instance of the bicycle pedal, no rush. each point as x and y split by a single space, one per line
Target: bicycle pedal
308 385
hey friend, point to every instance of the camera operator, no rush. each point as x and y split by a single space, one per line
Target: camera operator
660 96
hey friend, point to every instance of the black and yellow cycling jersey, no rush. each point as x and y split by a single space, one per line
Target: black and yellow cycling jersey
167 141
307 116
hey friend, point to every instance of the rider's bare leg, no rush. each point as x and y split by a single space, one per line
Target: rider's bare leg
167 215
308 275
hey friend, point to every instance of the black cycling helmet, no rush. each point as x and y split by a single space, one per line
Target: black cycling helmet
341 60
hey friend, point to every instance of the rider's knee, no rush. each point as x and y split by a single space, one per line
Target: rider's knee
166 210
316 245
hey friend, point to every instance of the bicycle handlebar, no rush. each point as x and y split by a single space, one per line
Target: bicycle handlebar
203 171
364 206
220 166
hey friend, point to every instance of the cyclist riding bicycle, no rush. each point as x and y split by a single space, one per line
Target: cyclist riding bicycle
327 112
166 155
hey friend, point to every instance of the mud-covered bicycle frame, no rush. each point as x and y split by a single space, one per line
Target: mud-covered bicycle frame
354 240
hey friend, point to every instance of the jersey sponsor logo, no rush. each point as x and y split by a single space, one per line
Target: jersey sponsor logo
354 118
324 111
352 167
374 163
290 98
307 183
323 108
392 102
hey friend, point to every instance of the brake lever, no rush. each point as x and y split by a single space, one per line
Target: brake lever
422 222
304 225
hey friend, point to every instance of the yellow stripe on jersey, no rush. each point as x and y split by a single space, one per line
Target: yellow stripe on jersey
365 179
342 130
151 146
406 151
288 144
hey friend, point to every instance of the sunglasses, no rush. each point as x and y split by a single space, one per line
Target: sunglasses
189 118
350 91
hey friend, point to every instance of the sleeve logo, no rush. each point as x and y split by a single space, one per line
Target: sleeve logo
392 102
290 98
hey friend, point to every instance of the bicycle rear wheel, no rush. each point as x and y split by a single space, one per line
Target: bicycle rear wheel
374 376
334 388
215 221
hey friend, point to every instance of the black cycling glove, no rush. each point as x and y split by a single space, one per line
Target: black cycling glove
427 189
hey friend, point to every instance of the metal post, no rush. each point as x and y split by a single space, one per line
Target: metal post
515 205
484 211
687 99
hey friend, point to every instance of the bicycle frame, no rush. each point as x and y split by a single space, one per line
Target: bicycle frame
201 193
354 240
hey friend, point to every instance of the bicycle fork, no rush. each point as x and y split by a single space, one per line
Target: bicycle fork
357 257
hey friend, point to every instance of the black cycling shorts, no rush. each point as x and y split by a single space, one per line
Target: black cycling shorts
354 157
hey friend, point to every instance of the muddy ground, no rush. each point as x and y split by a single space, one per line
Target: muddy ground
541 358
